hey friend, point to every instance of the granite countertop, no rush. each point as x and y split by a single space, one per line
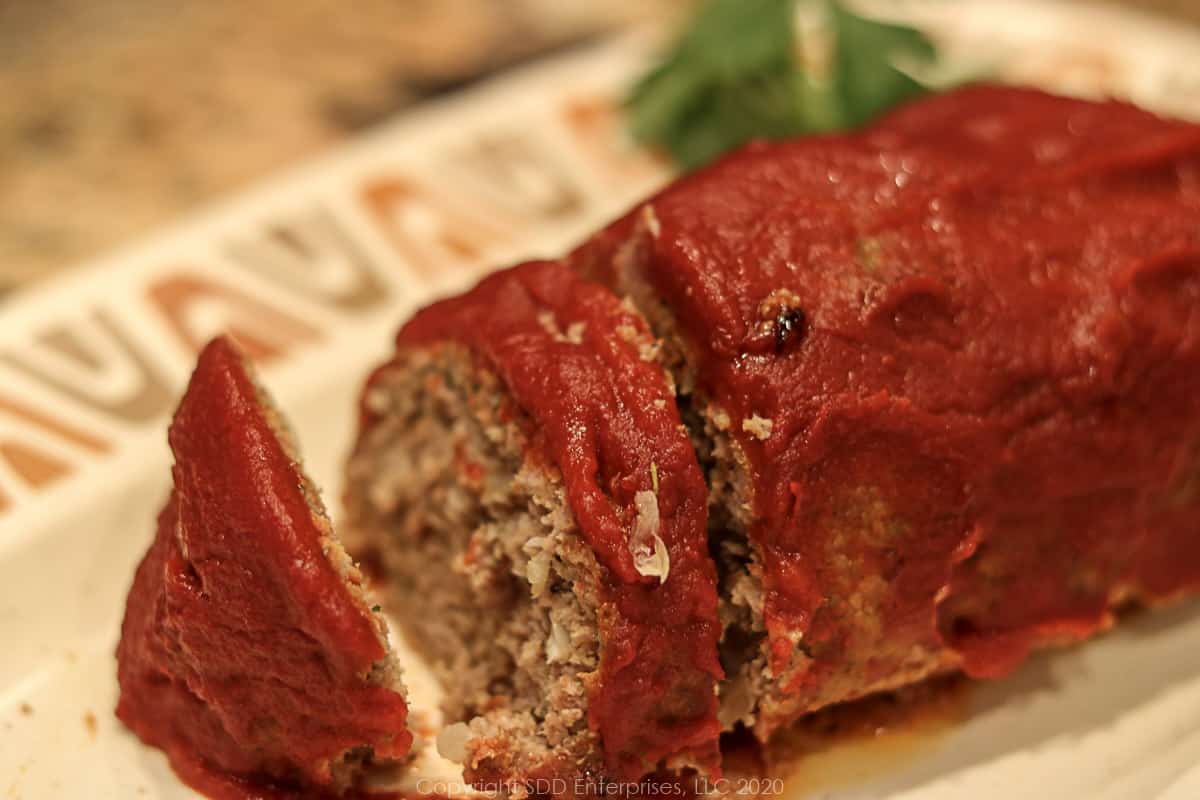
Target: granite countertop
118 116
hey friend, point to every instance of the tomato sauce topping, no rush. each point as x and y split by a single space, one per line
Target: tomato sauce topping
244 655
961 351
600 410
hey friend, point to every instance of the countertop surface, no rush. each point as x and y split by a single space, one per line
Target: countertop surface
116 117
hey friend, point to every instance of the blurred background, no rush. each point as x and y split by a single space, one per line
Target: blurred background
118 115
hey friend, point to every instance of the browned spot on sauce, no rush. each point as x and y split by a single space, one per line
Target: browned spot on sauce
25 709
89 723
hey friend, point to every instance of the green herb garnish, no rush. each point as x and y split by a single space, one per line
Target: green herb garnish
745 70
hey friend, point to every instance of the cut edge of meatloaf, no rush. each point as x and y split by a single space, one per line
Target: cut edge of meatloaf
182 688
751 695
350 768
521 463
613 259
461 515
387 671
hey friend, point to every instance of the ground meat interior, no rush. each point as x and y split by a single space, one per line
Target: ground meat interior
486 573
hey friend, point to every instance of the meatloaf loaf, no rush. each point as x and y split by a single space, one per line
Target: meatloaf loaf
523 470
250 652
825 418
944 378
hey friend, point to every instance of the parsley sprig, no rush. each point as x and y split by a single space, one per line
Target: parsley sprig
741 71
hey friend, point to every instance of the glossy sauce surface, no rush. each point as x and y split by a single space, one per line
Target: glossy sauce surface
243 655
973 332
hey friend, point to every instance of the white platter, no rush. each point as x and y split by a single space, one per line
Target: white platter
90 368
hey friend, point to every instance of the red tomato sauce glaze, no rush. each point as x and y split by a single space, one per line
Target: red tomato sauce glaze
974 333
960 350
244 656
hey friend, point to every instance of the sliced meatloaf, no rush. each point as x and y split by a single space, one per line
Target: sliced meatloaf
524 480
250 653
823 419
944 379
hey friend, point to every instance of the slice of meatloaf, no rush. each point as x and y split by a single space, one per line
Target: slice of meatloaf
250 653
524 479
944 379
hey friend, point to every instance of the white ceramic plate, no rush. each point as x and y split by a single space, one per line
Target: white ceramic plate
319 266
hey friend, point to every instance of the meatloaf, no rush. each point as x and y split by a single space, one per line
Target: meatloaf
523 470
944 379
823 419
250 652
